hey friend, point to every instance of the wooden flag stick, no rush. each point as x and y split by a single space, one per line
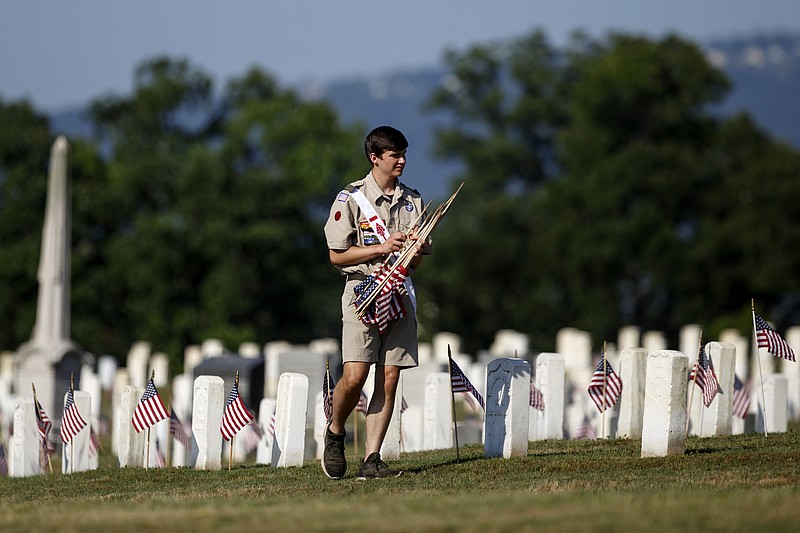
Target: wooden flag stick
453 402
233 437
602 431
694 382
760 372
169 434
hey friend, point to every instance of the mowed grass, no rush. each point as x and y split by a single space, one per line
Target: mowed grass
737 483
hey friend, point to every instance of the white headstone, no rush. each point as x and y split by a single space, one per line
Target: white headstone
182 391
192 356
207 409
414 380
441 341
138 362
7 367
295 361
632 373
576 347
249 350
212 348
509 343
288 448
437 423
326 346
689 339
107 371
411 425
654 341
75 455
508 390
776 395
425 353
90 384
121 381
24 448
159 363
629 337
716 419
664 420
130 445
792 372
742 346
266 417
551 381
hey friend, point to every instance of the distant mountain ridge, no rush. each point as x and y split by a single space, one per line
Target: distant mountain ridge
764 70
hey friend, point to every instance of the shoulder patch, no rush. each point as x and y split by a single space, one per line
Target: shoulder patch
343 196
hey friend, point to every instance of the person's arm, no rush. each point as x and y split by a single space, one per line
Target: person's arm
363 254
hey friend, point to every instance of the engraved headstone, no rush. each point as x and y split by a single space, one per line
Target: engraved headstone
75 455
23 445
776 396
551 381
664 420
207 409
437 422
130 445
716 418
291 406
507 408
632 373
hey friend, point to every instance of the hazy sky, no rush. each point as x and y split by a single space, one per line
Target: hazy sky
64 53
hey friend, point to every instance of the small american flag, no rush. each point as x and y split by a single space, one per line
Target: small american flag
271 426
3 461
613 385
236 415
94 443
44 425
252 436
586 430
178 430
363 403
537 399
768 338
149 410
741 397
704 376
161 459
460 383
72 421
388 305
327 394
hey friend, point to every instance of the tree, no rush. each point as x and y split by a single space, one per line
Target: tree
597 177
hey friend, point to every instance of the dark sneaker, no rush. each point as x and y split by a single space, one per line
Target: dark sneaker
334 463
374 467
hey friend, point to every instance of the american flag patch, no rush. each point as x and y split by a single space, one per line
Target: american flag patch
343 196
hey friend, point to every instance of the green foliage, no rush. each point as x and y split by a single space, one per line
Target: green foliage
557 486
203 220
600 191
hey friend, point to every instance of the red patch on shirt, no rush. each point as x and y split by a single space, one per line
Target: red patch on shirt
337 216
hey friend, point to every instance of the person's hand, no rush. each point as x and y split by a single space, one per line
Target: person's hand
394 243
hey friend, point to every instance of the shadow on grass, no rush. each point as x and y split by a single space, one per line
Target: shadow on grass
442 464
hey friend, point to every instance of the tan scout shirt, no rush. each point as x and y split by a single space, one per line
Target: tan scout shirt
347 226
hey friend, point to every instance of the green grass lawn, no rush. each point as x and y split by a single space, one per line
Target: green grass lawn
738 483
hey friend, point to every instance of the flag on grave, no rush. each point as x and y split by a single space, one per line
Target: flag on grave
460 383
178 430
604 375
236 414
363 403
537 399
72 421
150 409
768 338
704 376
741 397
44 425
327 393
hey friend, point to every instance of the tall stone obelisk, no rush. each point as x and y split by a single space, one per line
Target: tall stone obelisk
49 357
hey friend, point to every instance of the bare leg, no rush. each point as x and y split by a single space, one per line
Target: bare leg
381 407
347 393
